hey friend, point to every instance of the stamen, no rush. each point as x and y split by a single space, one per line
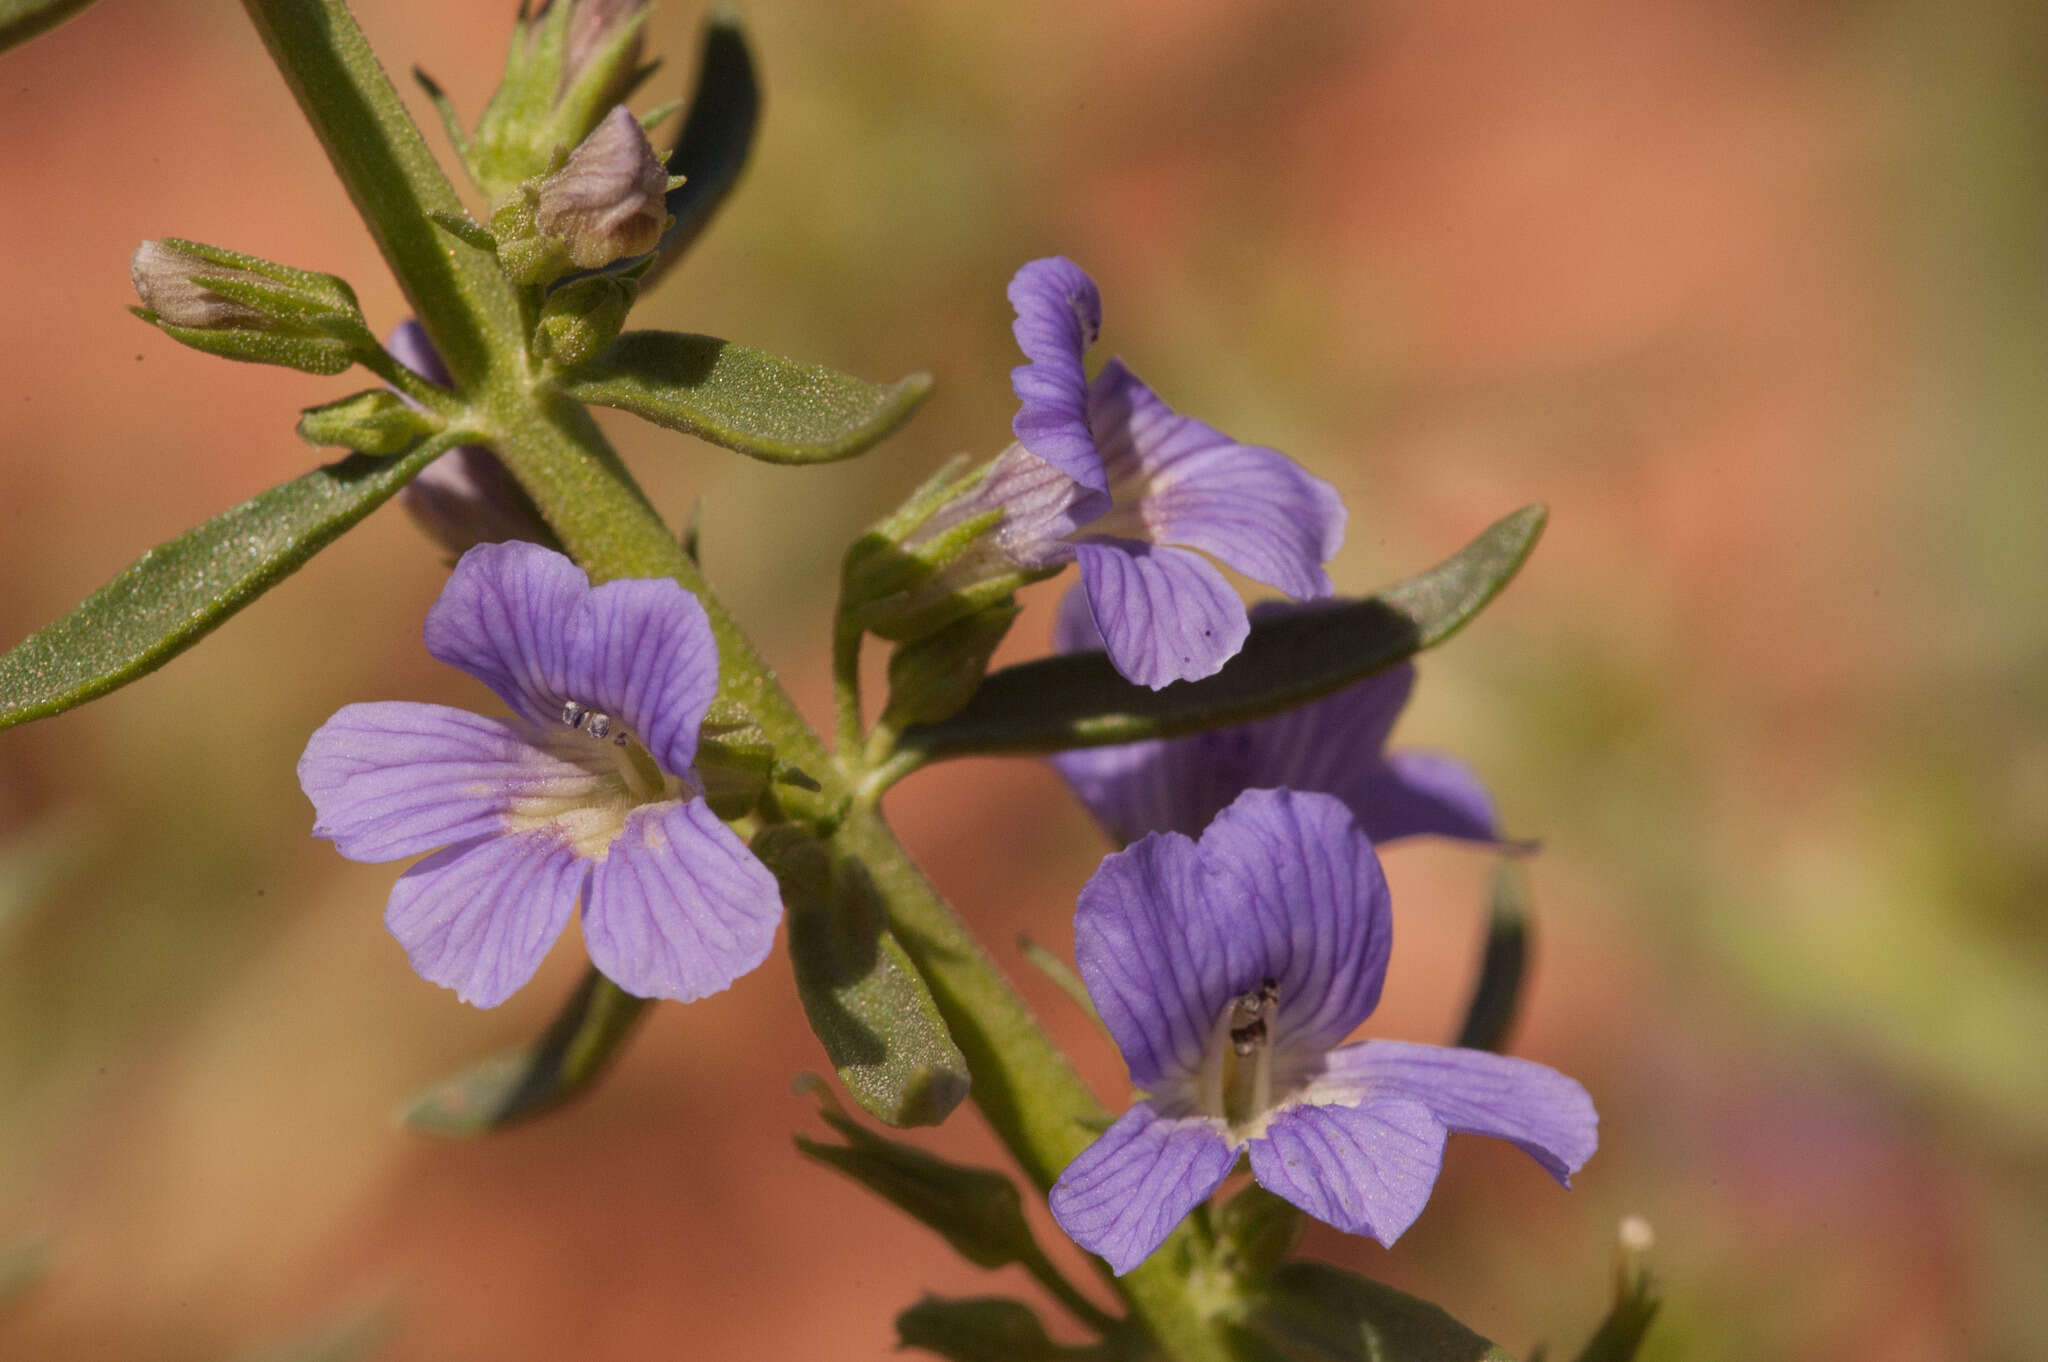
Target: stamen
1231 1089
573 714
599 725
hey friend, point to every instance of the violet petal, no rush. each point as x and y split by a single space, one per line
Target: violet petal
1535 1108
1059 315
1165 614
1366 1169
1298 871
1122 1195
679 908
1249 507
396 778
479 916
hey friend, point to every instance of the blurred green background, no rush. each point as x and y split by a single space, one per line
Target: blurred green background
1751 294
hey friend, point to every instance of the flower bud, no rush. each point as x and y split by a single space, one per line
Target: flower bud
608 201
377 422
246 308
603 43
581 318
930 679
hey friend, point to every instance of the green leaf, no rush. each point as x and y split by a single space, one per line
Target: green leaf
1490 1016
1078 700
717 135
171 596
21 20
1312 1312
773 409
867 1003
980 1329
517 1085
977 1210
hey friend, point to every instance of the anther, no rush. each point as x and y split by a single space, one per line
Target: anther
573 714
599 725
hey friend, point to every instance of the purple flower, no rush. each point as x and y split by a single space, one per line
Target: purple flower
1106 474
585 791
1229 970
1336 745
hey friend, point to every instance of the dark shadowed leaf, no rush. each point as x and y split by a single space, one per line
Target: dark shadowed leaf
1503 964
174 594
865 1000
519 1084
773 409
977 1210
717 134
21 20
980 1329
1312 1312
1078 700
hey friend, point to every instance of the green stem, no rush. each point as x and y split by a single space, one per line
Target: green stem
846 638
461 296
1026 1089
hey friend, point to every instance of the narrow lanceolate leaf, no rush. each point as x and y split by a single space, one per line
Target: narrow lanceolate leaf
1311 1312
1503 963
978 1211
172 595
717 135
21 20
507 1088
773 409
1078 700
979 1329
865 1000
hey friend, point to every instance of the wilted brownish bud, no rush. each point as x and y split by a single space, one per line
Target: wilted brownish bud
608 201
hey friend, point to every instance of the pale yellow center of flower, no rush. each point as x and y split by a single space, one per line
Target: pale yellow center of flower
602 773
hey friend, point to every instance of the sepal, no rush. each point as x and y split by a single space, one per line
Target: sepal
582 317
243 307
379 423
932 677
1636 1297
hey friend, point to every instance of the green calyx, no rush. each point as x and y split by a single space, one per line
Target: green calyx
244 307
377 422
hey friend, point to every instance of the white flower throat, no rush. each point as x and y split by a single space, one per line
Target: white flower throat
606 772
1236 1081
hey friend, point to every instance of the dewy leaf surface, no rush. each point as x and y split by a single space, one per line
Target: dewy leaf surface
1078 700
774 409
21 20
178 591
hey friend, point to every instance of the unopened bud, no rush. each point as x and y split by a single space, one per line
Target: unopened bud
608 201
581 318
378 422
247 308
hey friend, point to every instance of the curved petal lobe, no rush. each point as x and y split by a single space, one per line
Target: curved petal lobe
1124 1194
1165 614
479 917
1248 506
1306 879
679 908
1413 794
1366 1170
394 779
643 652
1059 315
506 617
1546 1115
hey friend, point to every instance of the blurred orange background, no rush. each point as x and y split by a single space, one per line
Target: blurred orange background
1752 295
